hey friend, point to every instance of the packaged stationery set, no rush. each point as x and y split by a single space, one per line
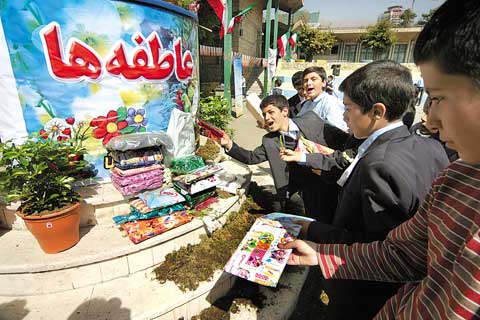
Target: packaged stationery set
258 258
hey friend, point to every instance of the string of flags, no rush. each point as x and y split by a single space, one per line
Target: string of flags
282 43
219 7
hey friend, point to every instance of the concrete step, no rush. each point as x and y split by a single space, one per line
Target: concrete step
102 255
136 297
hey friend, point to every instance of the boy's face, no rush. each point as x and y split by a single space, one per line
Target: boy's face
299 89
455 111
361 125
275 119
313 85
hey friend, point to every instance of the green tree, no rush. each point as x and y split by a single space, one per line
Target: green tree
313 41
426 17
379 38
407 18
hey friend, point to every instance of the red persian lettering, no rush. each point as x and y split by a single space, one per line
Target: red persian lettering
83 61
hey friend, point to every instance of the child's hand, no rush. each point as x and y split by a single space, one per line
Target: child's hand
225 141
290 155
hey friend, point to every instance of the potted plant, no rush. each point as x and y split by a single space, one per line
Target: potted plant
39 173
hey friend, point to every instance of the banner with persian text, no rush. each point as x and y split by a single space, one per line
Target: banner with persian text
89 70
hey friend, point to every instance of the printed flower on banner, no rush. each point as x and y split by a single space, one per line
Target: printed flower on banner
110 126
56 129
137 119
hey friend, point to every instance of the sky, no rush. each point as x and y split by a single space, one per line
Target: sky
356 13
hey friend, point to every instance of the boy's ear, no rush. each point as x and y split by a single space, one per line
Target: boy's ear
378 110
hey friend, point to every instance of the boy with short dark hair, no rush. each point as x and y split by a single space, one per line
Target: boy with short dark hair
295 102
437 252
329 108
285 133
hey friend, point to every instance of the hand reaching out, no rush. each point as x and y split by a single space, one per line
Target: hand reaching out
225 141
304 253
290 155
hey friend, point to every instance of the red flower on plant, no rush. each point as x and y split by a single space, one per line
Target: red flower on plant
67 131
70 120
107 127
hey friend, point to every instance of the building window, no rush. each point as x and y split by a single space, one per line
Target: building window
366 54
399 53
349 53
334 49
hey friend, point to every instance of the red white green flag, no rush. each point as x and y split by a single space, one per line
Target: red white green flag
282 45
293 41
220 9
239 17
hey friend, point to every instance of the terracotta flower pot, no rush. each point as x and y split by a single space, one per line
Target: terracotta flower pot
57 231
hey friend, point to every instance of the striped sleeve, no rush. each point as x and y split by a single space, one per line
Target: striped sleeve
401 257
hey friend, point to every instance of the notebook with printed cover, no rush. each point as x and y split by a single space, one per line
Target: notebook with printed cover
258 258
209 130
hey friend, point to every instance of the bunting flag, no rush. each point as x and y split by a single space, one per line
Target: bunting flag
293 41
239 17
282 45
219 7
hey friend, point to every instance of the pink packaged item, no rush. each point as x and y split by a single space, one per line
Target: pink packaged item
139 187
138 178
131 172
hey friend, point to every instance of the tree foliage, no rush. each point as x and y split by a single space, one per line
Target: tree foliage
379 37
426 17
313 41
407 18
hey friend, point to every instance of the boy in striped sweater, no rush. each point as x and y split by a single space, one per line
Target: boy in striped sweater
437 252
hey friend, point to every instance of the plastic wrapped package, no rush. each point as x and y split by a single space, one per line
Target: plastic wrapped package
186 164
141 230
135 141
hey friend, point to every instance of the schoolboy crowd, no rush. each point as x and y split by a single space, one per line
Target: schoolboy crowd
403 239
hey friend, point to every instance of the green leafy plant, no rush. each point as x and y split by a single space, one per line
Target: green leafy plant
215 110
312 41
39 174
379 37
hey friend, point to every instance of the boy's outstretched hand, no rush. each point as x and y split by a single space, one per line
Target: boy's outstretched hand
290 155
225 141
304 253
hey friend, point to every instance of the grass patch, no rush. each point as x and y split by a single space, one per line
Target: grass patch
190 265
209 151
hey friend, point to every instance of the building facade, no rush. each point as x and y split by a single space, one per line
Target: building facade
349 48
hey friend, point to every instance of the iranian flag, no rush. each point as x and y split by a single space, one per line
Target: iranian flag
282 45
220 8
293 41
239 17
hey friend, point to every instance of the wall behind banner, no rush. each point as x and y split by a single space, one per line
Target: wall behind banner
94 69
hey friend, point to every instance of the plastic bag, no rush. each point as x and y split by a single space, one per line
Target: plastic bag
141 140
180 130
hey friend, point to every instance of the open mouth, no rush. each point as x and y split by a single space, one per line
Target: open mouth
310 91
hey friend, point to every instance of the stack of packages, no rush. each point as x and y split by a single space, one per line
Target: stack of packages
138 167
153 212
137 170
198 186
137 160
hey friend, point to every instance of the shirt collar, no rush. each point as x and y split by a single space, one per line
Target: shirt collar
320 96
368 142
293 130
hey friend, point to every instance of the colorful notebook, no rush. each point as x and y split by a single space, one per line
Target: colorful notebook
258 258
